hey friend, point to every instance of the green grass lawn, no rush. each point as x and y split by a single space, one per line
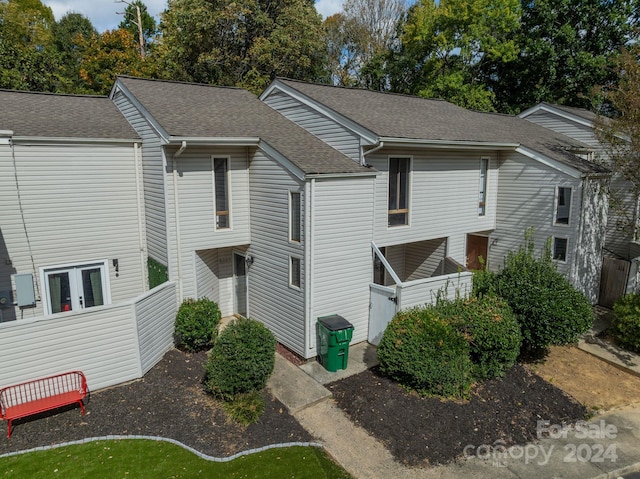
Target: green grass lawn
131 458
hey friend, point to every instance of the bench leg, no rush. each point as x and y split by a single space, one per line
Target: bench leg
81 406
9 428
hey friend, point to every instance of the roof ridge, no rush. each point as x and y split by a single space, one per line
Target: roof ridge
178 82
48 93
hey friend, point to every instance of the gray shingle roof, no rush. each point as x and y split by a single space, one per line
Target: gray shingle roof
205 111
50 115
409 117
579 112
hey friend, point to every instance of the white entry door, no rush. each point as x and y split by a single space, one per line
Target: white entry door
75 288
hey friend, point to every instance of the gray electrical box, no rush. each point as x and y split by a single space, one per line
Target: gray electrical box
25 293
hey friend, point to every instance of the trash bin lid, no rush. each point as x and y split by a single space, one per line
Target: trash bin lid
335 322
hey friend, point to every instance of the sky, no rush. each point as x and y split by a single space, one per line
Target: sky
103 13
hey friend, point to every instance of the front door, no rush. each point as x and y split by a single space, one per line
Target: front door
477 249
240 284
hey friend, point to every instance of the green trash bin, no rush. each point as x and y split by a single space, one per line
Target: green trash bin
334 336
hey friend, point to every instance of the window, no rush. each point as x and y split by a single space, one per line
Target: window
563 205
221 190
74 288
560 249
482 194
294 216
294 272
398 191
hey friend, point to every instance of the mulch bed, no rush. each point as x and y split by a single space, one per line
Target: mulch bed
421 431
169 402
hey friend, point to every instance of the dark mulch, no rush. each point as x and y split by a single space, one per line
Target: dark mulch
169 402
421 431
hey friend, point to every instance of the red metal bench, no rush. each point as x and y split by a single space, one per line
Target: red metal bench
44 394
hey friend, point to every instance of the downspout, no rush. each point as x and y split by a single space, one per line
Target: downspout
141 220
309 254
365 153
176 206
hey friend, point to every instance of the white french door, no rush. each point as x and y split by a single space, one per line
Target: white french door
75 288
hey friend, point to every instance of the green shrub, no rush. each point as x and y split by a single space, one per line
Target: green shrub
423 352
196 324
241 359
548 308
245 408
626 322
492 331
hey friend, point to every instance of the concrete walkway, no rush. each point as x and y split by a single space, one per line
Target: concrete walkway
606 447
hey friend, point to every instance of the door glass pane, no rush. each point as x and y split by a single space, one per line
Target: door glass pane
92 288
59 292
240 285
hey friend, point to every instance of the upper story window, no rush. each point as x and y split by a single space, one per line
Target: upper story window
294 216
563 205
399 191
76 287
221 192
482 193
295 274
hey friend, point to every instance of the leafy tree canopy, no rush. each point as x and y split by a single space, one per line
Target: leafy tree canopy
130 22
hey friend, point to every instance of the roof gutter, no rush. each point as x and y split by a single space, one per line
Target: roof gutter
224 141
62 140
462 144
365 153
5 137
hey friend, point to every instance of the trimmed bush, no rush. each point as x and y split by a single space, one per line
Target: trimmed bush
548 308
626 322
492 331
241 359
196 324
422 351
245 408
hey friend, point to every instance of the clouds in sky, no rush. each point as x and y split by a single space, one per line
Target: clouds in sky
102 13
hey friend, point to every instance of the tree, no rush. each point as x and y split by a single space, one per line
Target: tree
72 30
567 47
445 46
130 23
243 43
364 31
620 136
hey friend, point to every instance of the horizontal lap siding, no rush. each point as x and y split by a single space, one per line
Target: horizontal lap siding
207 275
80 206
197 210
153 179
318 125
422 259
526 198
272 301
155 316
419 293
443 198
101 343
342 261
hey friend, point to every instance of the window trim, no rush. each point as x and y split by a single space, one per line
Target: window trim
406 210
483 183
227 212
556 205
553 249
291 216
292 285
44 272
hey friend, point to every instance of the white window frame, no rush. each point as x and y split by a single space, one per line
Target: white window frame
291 283
483 184
409 181
291 238
227 158
45 271
556 204
553 249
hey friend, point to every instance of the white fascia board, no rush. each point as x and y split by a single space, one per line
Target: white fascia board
214 141
556 112
6 133
545 160
320 176
368 137
280 158
118 86
72 140
458 144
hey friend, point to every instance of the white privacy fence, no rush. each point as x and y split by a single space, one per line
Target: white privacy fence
110 344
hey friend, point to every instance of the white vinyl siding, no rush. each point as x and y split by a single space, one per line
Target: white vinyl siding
196 220
526 198
80 205
565 126
342 260
443 197
324 128
153 179
271 300
207 275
